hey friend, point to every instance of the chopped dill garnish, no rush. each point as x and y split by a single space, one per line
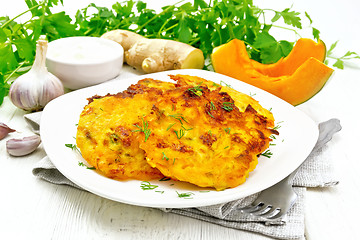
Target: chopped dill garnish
252 94
73 147
179 117
165 157
81 164
196 90
160 192
180 133
227 130
216 85
272 137
267 154
145 185
226 147
278 125
210 115
204 191
228 106
170 126
228 85
186 129
144 129
212 106
186 195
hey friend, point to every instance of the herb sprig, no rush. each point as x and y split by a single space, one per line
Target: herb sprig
196 90
81 164
267 153
228 106
186 195
339 61
145 185
73 147
144 128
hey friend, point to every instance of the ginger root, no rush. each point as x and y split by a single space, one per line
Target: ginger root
155 55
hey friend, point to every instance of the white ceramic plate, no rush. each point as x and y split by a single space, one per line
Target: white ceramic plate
298 135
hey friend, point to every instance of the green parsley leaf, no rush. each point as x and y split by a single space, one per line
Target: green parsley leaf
25 48
316 33
339 64
291 18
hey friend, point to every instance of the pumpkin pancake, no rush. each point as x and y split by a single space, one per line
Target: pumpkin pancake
193 130
200 136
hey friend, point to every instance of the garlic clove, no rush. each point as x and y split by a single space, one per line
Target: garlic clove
34 89
24 146
4 130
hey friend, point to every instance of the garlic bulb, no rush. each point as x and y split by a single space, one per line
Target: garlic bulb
33 90
21 147
4 130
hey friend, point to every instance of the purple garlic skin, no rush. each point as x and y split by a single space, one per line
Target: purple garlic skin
4 130
24 146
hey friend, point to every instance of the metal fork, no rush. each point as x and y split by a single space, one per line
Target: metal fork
275 202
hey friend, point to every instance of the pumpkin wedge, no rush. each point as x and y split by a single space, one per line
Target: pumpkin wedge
295 78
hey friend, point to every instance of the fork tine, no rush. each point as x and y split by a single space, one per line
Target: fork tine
262 211
277 215
250 209
253 207
270 213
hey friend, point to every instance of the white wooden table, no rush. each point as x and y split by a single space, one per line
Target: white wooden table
35 209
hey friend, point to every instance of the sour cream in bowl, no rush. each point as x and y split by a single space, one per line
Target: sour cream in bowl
84 61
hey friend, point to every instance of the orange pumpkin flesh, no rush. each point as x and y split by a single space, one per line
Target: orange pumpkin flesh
295 78
302 51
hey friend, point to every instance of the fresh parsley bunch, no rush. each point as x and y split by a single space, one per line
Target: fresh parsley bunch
199 23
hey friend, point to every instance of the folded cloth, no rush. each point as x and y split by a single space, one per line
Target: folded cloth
317 171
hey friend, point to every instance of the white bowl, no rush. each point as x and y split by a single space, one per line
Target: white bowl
84 61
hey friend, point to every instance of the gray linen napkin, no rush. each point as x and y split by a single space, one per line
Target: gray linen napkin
317 171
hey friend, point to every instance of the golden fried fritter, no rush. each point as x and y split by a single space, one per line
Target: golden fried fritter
200 136
106 134
194 131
